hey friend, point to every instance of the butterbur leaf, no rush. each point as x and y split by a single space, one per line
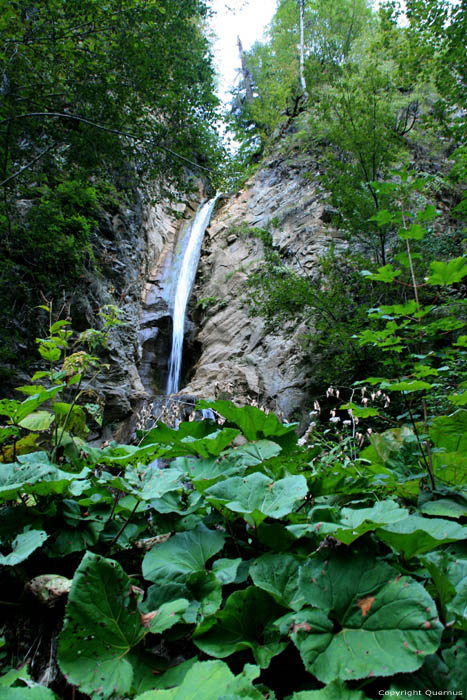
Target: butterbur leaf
157 621
24 545
102 624
353 522
172 677
192 438
205 472
226 569
370 622
450 432
210 680
448 675
34 693
444 507
416 534
258 496
444 273
183 554
252 454
253 422
35 473
244 623
278 575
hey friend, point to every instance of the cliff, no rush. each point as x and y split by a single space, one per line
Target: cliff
240 358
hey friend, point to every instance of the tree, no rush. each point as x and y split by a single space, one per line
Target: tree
308 44
302 48
93 94
435 49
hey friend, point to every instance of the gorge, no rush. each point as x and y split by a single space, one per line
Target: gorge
233 426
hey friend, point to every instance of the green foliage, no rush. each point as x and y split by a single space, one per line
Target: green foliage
63 424
333 305
244 565
77 77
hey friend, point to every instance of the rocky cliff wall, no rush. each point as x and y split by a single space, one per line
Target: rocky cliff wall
241 359
134 252
228 353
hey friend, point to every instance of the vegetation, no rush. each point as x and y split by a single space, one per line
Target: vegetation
97 98
203 560
273 552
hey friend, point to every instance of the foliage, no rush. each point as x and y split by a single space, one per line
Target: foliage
331 29
332 303
62 426
96 99
255 553
433 48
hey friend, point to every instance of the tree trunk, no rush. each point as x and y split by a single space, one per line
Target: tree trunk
247 77
302 47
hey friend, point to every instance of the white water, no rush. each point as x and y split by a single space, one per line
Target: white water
183 289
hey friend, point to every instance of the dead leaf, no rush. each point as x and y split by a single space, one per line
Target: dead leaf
365 604
300 626
147 618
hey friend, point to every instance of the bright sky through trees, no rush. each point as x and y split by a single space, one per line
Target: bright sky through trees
245 18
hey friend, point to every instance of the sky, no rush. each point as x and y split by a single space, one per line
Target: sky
245 18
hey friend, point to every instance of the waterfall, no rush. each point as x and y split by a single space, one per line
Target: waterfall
183 288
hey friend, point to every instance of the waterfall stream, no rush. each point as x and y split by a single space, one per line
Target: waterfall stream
183 288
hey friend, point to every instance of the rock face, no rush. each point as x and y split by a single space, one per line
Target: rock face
135 253
239 358
228 353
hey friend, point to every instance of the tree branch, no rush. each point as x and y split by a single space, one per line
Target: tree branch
28 165
60 115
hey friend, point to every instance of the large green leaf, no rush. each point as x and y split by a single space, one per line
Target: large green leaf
448 676
258 496
354 522
278 575
444 507
202 591
252 454
24 545
416 534
183 554
103 624
253 422
35 693
450 432
367 622
210 680
449 572
150 482
244 623
192 438
35 473
226 569
37 421
18 411
450 272
206 472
